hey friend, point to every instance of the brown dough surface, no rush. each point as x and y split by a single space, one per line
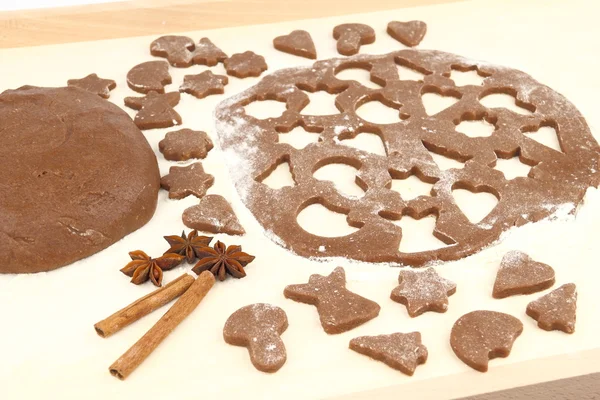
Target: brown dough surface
351 36
155 110
76 175
181 51
244 65
557 310
557 179
408 33
206 53
185 144
519 274
94 84
182 182
298 43
150 76
213 214
339 309
259 327
480 336
423 291
401 351
204 84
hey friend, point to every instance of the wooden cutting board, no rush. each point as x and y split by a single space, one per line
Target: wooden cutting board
138 18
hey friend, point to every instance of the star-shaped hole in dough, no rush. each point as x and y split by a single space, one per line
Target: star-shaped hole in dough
94 84
204 84
184 181
423 291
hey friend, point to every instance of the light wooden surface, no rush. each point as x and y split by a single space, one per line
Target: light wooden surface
148 17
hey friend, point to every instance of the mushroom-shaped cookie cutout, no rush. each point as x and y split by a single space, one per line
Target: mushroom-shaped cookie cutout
258 327
351 36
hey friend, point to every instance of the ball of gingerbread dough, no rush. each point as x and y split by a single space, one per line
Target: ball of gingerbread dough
76 175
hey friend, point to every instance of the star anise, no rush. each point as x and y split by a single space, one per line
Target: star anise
187 246
143 267
222 260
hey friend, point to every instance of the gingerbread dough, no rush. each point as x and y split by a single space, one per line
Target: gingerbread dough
351 36
401 351
76 175
557 310
150 76
213 214
408 33
423 291
206 53
480 336
259 327
182 182
244 65
204 84
339 309
155 110
94 84
298 43
185 144
519 274
178 50
558 180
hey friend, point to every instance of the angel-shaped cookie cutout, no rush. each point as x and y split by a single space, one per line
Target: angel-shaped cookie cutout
423 291
339 309
557 310
155 110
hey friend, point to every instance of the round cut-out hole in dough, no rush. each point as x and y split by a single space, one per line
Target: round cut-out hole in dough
417 234
477 128
512 168
299 138
321 103
366 141
411 187
320 221
359 75
503 100
435 103
343 177
280 177
465 78
265 109
409 74
377 112
547 136
475 206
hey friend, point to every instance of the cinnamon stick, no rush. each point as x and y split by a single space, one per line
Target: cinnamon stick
133 357
143 306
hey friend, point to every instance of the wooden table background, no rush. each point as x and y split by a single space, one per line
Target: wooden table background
148 17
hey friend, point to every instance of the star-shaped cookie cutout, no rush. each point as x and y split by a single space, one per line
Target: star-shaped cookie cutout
184 181
206 53
557 310
94 84
401 351
204 84
155 110
423 291
243 65
185 144
519 274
